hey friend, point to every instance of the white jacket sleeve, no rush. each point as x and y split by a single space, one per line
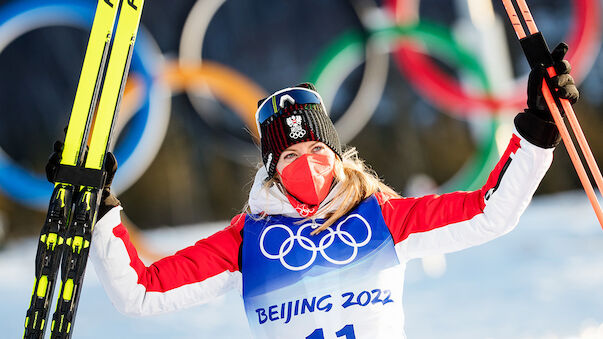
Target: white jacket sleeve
190 277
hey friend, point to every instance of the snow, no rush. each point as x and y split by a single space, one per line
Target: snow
543 280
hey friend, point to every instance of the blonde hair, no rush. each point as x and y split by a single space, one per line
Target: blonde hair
358 182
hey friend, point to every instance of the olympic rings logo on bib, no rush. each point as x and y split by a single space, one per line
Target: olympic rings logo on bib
323 244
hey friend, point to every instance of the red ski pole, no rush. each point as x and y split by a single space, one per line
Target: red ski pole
537 53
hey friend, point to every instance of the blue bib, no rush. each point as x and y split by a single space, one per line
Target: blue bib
292 280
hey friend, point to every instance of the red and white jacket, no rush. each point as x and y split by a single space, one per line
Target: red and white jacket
419 227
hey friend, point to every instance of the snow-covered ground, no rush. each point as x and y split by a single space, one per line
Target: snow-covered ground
543 280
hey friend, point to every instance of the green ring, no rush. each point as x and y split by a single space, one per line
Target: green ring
440 42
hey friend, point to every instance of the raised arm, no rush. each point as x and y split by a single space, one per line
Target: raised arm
190 277
454 221
451 222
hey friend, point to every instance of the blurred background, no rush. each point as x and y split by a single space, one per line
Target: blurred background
425 90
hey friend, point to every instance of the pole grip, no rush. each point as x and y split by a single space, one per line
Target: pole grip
536 51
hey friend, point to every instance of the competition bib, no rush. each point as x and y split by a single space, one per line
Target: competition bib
345 282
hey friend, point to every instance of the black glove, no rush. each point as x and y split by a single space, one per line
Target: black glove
108 199
536 124
52 166
563 84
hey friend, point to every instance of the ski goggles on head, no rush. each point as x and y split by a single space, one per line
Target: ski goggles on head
275 103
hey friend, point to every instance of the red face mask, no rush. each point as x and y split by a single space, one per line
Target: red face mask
309 178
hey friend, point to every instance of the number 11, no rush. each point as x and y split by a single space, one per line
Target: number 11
347 331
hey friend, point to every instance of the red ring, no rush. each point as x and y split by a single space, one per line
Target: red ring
446 93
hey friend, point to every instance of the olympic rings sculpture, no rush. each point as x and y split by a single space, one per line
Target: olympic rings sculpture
146 103
324 243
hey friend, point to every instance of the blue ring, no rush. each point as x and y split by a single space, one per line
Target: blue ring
33 189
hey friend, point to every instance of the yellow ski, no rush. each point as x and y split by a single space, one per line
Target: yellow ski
67 232
79 232
52 235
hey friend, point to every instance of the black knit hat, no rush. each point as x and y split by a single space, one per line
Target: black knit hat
290 116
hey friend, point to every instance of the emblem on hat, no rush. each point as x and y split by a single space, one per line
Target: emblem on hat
295 125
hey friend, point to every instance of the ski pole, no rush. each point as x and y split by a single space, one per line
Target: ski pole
537 53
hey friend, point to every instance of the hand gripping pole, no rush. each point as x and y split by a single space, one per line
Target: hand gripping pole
537 53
